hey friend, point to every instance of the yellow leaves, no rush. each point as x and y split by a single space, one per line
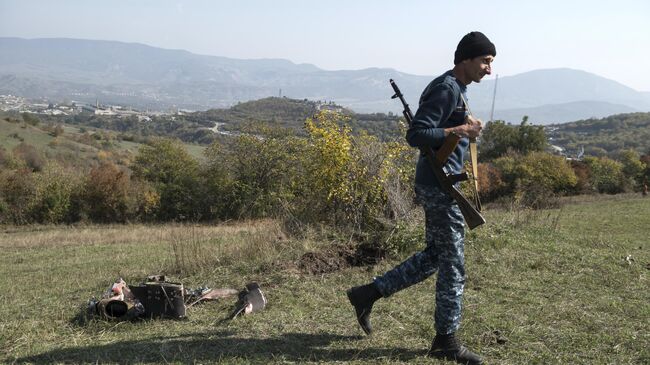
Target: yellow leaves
150 201
351 173
331 140
103 155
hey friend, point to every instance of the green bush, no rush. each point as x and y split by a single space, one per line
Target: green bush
254 176
17 188
30 119
52 199
499 139
633 168
536 178
174 174
606 175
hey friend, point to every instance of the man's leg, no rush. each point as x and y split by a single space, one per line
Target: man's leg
423 264
451 273
449 288
412 271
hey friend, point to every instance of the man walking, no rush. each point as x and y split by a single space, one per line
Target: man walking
442 111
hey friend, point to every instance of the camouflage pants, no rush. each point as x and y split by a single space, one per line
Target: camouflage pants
444 253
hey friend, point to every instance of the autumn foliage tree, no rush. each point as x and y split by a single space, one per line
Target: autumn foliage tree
106 193
174 174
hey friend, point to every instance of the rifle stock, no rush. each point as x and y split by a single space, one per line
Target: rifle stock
473 217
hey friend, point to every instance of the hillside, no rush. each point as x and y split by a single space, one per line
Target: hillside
74 145
605 135
283 112
291 113
216 124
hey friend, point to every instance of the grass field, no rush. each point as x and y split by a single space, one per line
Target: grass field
563 286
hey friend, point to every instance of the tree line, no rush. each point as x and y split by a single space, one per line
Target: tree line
331 176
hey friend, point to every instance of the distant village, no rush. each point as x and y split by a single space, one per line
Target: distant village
46 107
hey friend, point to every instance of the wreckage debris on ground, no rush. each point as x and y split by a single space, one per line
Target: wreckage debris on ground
159 298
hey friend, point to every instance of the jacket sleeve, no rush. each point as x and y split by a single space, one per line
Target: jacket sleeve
435 108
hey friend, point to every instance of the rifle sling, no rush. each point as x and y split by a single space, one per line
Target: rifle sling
473 154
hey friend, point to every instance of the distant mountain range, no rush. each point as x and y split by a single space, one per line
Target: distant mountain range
155 78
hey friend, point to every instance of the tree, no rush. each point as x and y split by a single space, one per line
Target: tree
255 175
498 138
530 138
106 193
175 175
53 194
633 167
606 175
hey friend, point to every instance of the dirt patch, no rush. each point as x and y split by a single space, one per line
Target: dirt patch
339 257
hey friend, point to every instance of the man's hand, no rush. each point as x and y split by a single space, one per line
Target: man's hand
471 128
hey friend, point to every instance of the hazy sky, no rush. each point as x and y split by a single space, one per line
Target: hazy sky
608 38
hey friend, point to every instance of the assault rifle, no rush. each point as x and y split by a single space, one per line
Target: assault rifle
437 162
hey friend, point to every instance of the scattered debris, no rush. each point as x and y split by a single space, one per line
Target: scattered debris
629 259
159 298
251 300
118 302
207 294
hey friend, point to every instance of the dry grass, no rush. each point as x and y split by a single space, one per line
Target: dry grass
80 235
197 249
563 287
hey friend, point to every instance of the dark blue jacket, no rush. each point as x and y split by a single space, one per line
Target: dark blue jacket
440 107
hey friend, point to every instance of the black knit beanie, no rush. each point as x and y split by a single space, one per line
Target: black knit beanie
472 45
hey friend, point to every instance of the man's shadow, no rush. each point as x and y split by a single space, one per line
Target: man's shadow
222 345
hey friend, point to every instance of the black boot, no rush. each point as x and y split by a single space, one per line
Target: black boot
447 347
362 298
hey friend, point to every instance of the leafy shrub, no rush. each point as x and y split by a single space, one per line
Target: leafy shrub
583 176
537 168
355 183
536 178
490 181
144 201
57 130
633 168
54 187
606 175
30 119
405 237
174 173
17 189
254 175
29 155
106 194
397 178
329 167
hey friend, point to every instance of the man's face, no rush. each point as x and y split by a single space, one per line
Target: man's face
477 67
